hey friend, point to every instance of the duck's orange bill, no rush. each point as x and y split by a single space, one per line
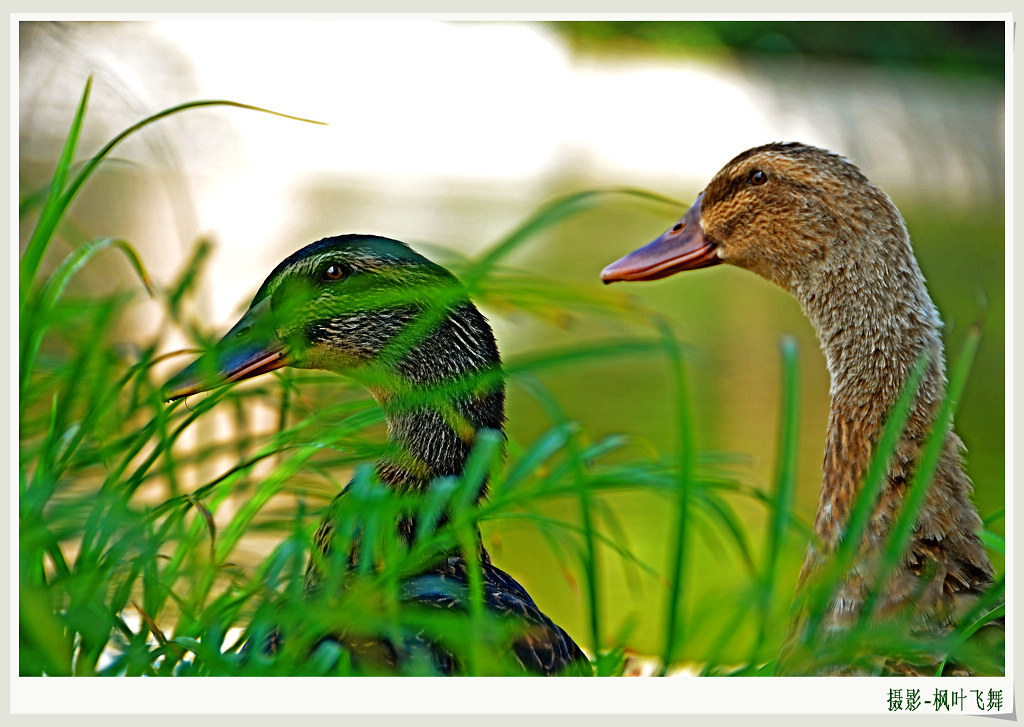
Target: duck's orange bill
683 247
249 349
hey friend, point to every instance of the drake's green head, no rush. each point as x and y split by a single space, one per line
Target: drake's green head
348 304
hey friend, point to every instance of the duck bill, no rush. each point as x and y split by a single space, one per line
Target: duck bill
684 247
250 348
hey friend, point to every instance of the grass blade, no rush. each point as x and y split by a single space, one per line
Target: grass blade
674 624
53 208
785 483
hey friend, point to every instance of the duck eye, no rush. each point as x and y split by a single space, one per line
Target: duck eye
333 272
757 177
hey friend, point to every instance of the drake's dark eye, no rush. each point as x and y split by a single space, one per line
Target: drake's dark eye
333 272
757 177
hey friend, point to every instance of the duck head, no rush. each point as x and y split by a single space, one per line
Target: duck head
359 305
776 210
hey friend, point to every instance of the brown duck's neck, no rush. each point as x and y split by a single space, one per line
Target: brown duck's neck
874 320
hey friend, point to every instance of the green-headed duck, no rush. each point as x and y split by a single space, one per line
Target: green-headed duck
372 308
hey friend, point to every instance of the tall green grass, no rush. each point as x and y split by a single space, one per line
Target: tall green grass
127 568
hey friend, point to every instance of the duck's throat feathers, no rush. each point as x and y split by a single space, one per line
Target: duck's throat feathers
875 322
438 396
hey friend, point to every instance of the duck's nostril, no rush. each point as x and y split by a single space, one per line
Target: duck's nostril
679 226
243 332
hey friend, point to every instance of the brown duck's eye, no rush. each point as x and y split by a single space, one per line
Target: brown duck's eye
333 272
757 177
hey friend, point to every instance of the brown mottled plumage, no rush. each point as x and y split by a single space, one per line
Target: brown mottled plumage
373 309
808 220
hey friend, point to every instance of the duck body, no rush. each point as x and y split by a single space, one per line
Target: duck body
543 647
373 309
809 221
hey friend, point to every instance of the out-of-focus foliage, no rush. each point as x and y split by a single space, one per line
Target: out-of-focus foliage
964 47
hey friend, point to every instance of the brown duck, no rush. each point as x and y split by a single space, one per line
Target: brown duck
808 220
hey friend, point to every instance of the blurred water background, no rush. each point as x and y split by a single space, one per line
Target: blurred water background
447 135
